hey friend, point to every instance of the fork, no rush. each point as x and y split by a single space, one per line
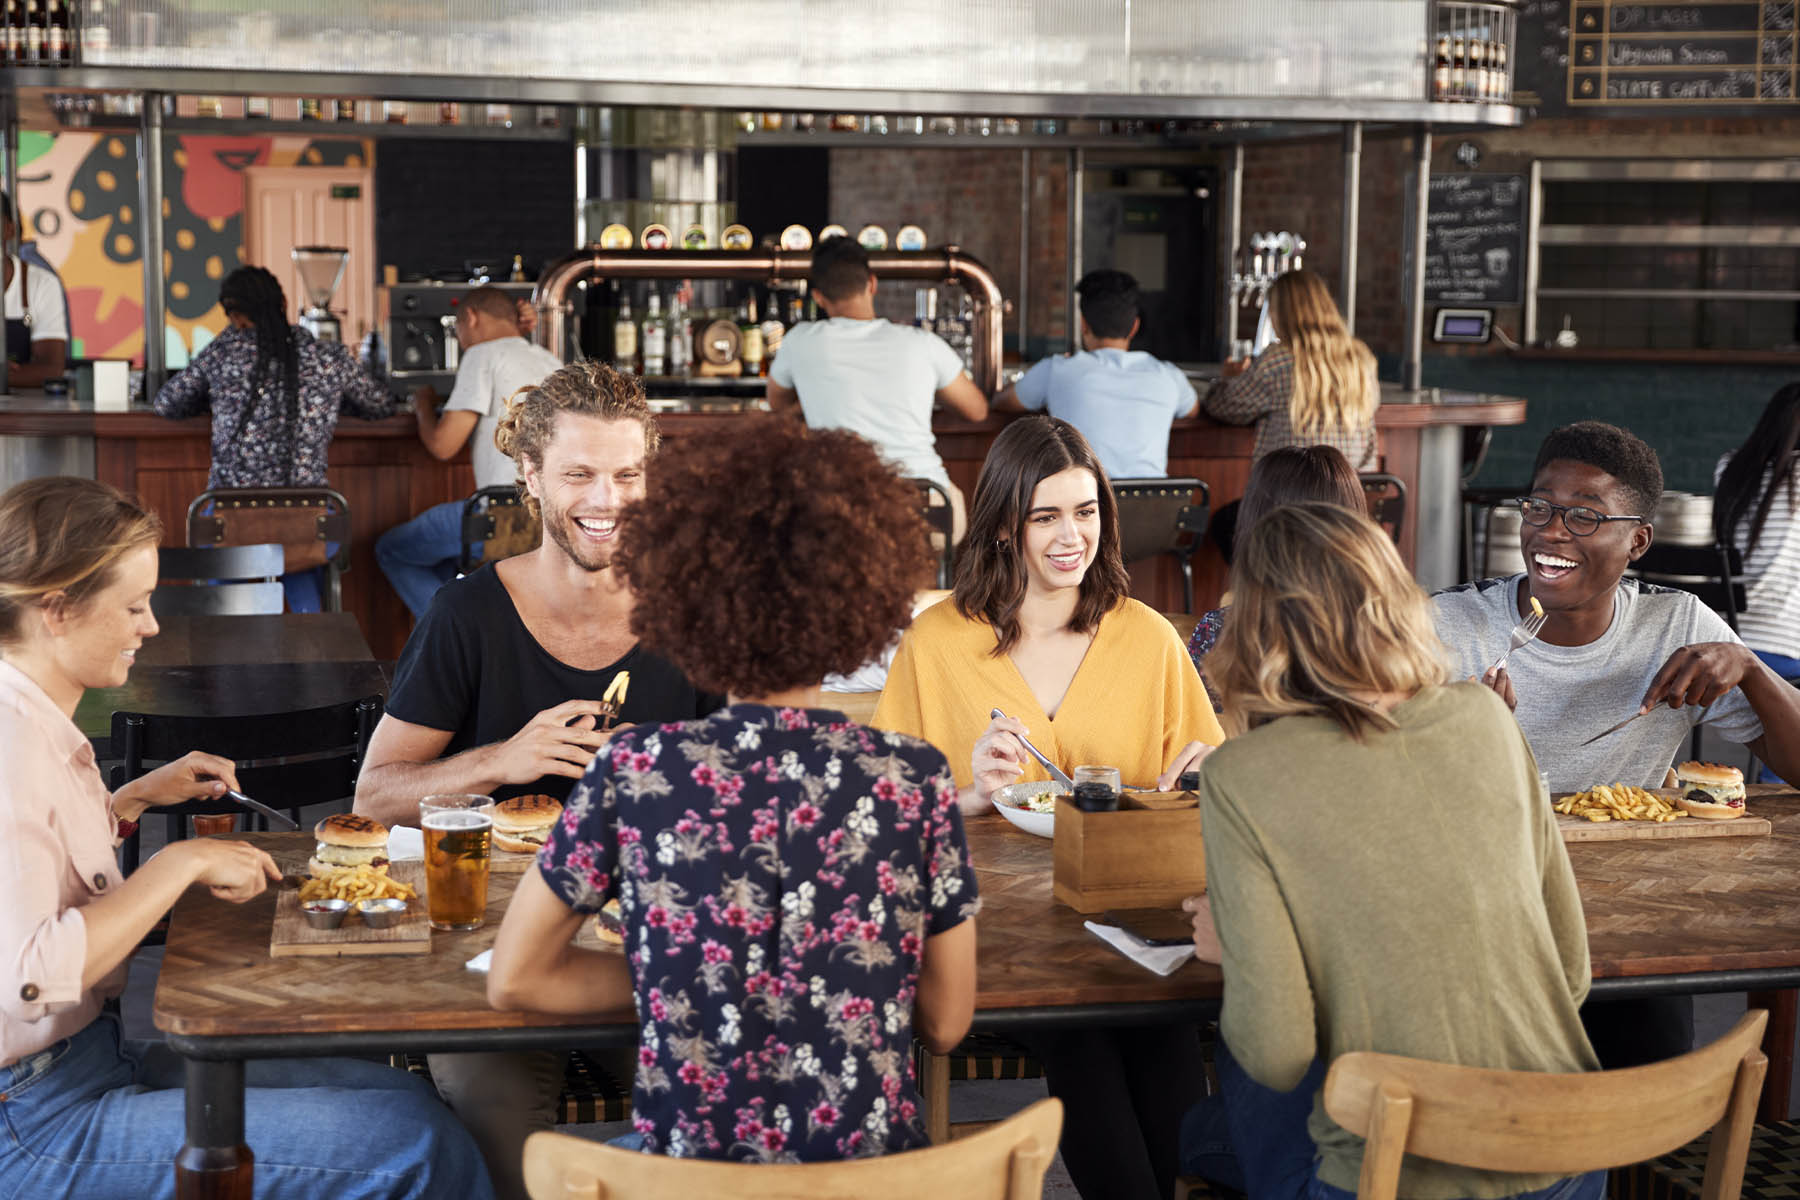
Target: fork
1522 633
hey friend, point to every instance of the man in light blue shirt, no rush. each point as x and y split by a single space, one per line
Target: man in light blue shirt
1122 400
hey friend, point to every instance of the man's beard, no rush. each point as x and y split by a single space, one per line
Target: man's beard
557 525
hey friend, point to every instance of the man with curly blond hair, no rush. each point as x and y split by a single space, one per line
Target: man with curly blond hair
499 689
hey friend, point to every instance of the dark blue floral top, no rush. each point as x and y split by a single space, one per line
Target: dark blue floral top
1200 644
255 444
777 871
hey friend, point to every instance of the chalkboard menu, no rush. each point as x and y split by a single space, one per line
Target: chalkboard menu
1475 239
1705 55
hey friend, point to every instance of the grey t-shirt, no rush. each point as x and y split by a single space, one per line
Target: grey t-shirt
1567 694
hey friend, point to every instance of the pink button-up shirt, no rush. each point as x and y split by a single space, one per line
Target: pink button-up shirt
56 854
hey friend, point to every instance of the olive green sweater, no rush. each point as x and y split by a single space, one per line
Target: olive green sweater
1408 894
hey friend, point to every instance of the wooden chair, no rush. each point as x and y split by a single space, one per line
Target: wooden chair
1164 516
311 524
495 520
1547 1123
1006 1162
940 517
218 581
1386 495
286 760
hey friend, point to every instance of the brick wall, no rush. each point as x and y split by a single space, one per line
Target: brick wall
971 199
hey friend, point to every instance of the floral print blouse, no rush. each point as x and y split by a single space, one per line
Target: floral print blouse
259 448
778 872
1200 644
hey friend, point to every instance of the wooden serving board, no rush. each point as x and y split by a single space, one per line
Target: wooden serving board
1577 829
292 936
512 860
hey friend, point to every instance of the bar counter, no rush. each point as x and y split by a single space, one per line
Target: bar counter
387 477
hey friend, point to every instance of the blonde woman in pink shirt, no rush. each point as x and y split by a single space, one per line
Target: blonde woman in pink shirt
84 1112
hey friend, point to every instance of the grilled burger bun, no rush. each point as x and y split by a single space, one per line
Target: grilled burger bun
1710 791
609 925
347 840
523 823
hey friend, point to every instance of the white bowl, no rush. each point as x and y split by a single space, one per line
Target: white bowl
1007 798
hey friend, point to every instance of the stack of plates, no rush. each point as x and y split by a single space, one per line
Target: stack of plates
1684 519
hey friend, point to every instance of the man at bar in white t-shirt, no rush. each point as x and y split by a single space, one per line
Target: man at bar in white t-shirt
421 555
861 372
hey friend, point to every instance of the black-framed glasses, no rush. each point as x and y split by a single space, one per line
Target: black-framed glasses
1578 519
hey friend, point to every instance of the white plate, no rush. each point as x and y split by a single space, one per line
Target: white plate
1006 800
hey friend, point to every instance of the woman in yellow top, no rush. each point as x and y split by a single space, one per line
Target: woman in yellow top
1040 627
1314 387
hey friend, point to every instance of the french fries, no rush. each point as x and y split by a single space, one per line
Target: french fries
1618 802
357 883
613 702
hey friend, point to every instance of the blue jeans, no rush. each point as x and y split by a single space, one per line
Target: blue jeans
92 1116
419 557
1254 1139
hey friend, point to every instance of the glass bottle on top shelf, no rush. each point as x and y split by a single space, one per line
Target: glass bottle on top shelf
750 347
656 337
625 336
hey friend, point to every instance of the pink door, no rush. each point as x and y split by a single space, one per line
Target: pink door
285 207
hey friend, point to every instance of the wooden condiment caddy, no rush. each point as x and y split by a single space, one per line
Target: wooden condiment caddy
1148 854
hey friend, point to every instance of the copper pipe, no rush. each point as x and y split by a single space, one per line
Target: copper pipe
550 298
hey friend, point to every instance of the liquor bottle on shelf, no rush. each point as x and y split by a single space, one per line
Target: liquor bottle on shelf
393 112
925 308
13 49
1459 67
656 338
750 345
346 110
625 337
681 339
796 311
257 107
36 29
449 112
518 269
1502 93
772 331
95 34
59 44
1477 70
1440 72
310 109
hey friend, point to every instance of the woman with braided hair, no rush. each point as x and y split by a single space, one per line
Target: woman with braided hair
274 393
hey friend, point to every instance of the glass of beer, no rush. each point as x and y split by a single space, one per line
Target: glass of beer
459 832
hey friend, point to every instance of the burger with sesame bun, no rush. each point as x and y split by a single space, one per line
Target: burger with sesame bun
347 840
523 823
1710 791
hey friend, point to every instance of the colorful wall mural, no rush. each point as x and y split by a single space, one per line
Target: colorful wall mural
78 193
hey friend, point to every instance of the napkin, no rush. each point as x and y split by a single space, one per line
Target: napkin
406 844
1161 959
480 962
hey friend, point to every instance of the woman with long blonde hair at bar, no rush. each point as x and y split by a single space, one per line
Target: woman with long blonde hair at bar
1314 387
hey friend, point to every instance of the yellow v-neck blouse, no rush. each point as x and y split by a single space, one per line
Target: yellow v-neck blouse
1135 700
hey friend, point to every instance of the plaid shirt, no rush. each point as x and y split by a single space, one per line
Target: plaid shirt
1261 395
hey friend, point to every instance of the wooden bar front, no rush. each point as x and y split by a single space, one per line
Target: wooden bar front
388 477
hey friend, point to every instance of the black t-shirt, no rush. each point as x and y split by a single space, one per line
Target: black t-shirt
472 668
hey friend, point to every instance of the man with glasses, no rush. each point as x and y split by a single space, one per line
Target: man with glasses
1612 647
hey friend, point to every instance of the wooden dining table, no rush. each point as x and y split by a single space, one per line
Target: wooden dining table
1700 915
215 641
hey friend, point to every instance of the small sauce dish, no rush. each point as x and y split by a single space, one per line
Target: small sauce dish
379 914
325 914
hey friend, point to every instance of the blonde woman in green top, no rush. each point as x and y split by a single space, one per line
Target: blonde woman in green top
1383 867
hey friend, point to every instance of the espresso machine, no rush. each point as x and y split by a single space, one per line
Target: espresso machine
421 328
321 269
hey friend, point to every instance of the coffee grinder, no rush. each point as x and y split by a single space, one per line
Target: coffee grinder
321 269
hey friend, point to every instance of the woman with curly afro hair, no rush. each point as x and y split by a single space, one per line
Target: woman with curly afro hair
1040 627
794 890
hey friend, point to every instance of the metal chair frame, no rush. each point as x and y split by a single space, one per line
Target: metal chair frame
219 581
941 519
288 760
1389 511
1186 529
479 524
209 524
